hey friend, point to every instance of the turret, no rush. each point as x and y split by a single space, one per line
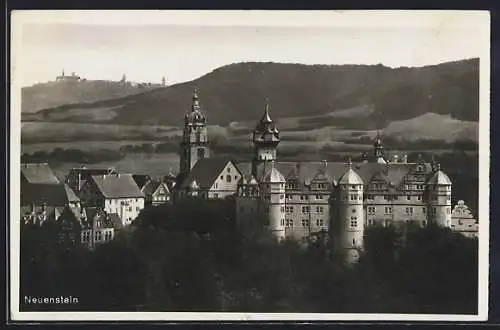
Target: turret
439 192
194 144
351 215
265 139
378 150
273 201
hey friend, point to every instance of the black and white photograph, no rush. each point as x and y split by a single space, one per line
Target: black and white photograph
249 165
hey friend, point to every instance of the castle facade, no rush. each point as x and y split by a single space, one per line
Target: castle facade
302 199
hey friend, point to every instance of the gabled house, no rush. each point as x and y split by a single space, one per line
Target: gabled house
212 178
156 193
114 193
89 226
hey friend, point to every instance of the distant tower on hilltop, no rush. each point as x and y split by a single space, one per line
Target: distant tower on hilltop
194 145
265 139
72 77
124 79
163 81
351 215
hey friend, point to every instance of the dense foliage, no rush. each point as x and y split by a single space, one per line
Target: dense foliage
192 257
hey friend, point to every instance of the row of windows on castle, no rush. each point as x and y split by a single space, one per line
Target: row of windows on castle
304 197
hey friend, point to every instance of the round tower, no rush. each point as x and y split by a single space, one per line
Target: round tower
439 187
273 195
351 215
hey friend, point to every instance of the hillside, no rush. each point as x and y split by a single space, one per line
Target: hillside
236 92
54 94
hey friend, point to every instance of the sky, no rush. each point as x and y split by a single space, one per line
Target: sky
184 46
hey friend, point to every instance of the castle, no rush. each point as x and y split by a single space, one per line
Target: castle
304 199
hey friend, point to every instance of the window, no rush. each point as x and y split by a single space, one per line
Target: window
448 211
371 209
353 211
386 197
282 209
289 223
201 153
424 210
98 235
302 197
434 210
288 196
235 177
130 208
215 186
216 195
353 187
354 222
354 197
395 198
409 210
319 209
408 198
305 222
222 177
448 197
228 178
353 241
319 197
319 222
424 223
419 197
137 208
282 222
388 210
228 170
282 196
305 209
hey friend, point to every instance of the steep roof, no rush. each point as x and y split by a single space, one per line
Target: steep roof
350 177
51 194
306 171
38 173
440 178
141 179
117 186
273 175
205 172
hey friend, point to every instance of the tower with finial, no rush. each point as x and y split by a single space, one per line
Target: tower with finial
439 192
378 149
350 226
272 188
265 139
194 145
163 81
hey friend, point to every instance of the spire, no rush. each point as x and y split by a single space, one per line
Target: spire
349 163
196 103
266 118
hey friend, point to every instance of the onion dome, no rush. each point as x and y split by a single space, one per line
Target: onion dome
274 176
195 116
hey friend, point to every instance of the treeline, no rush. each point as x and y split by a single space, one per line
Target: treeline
192 257
72 155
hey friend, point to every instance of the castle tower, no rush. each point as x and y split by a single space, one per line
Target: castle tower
273 201
378 150
439 188
265 139
194 144
351 215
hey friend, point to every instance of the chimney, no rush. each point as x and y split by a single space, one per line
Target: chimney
395 158
405 159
